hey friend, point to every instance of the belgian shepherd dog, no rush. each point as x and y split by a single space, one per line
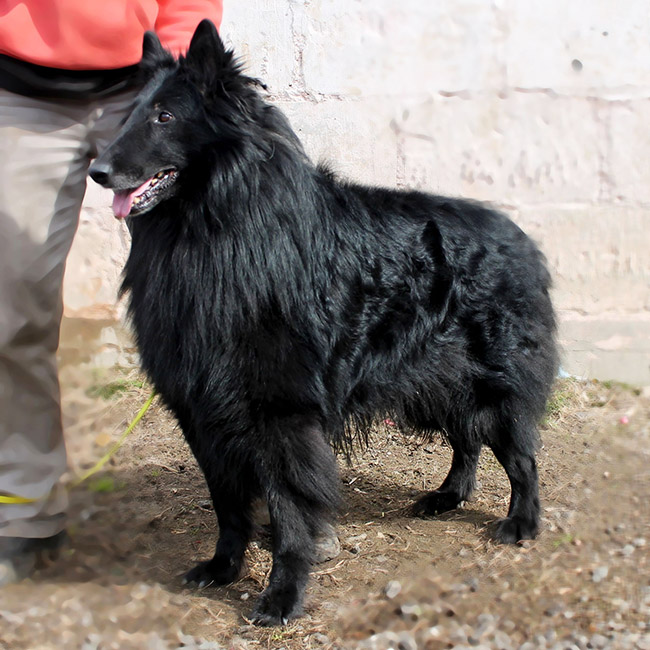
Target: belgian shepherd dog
279 310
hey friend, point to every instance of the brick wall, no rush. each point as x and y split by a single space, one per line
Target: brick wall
542 109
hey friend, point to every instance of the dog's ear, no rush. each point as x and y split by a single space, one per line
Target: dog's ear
215 70
207 55
152 49
154 56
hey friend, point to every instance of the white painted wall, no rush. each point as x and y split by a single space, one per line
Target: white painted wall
540 108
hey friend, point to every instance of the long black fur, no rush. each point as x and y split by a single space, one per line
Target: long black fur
279 309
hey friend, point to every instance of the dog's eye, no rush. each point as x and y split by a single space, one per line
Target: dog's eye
165 116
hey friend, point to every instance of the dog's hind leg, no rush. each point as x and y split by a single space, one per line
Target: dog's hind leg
299 475
458 485
522 521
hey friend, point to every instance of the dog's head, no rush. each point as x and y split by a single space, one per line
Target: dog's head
188 112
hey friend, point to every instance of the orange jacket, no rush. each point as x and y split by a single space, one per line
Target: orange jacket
97 35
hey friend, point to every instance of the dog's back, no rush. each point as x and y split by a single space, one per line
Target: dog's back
432 306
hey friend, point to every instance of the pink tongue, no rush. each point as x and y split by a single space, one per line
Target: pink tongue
123 200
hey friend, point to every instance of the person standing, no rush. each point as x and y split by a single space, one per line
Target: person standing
68 74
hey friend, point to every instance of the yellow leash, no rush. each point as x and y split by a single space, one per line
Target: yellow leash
99 464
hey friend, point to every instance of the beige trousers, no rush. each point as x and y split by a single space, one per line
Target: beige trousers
45 149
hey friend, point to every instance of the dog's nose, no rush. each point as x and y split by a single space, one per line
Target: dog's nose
101 172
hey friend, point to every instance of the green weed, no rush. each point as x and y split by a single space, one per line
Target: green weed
105 484
113 389
567 538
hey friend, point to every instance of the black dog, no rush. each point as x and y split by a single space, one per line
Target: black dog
279 311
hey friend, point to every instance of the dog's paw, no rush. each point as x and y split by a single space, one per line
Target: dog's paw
435 503
217 571
513 529
277 607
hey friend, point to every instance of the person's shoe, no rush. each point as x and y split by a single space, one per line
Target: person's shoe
20 556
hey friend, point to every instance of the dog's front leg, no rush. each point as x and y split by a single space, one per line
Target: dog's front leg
233 510
300 477
233 487
293 548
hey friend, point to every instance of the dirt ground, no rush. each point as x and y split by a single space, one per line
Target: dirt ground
399 582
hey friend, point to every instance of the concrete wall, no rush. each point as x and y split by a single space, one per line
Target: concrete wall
540 108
